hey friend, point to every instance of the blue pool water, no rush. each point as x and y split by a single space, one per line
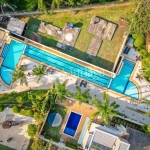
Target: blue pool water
11 54
51 118
121 82
67 66
72 124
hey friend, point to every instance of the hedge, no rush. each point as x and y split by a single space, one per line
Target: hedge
71 146
16 109
27 112
51 138
2 108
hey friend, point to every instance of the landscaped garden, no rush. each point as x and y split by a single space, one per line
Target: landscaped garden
82 19
50 132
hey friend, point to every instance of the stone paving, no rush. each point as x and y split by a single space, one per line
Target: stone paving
20 138
47 81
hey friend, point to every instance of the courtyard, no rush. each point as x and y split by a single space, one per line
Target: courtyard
20 139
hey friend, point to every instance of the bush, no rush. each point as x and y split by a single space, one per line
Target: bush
71 145
16 109
1 108
32 130
38 144
27 112
146 128
51 138
139 40
39 117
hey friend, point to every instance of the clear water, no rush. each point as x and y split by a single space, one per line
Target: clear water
51 118
121 82
11 54
72 124
67 66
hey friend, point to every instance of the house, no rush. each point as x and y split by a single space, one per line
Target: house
148 42
16 26
101 137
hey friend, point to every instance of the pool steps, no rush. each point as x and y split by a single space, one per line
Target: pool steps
5 50
129 63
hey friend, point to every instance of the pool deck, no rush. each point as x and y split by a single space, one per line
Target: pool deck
83 109
123 101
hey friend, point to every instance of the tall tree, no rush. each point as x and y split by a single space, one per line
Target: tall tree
60 90
81 96
19 75
39 71
4 3
105 110
140 19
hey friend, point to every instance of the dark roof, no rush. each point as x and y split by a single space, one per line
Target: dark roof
138 140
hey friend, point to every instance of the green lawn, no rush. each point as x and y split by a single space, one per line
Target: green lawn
51 131
109 50
3 147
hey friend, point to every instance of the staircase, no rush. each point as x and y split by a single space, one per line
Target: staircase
5 50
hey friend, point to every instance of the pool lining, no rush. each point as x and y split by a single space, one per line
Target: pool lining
67 122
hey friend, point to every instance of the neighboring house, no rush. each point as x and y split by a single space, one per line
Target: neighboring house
100 137
148 42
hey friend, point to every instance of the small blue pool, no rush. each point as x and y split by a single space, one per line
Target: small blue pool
11 54
72 124
67 66
121 82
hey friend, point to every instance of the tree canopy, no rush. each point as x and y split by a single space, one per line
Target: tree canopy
141 18
105 110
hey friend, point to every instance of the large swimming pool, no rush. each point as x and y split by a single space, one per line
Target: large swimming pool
11 54
67 66
121 82
72 124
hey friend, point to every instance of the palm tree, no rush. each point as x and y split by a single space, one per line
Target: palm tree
60 90
105 110
55 3
39 71
81 96
19 75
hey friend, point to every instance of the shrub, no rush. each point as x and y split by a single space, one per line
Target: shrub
1 108
146 128
139 40
51 138
27 112
39 117
71 145
16 109
30 113
38 144
32 130
19 99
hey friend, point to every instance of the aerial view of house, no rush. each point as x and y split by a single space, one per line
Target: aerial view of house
75 75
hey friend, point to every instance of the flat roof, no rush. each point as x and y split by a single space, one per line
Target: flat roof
15 25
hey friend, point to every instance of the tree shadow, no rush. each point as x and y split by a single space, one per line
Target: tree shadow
79 24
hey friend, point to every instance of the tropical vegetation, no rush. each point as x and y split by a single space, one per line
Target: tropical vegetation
82 96
32 130
146 128
140 19
39 71
16 109
2 108
19 75
38 144
105 110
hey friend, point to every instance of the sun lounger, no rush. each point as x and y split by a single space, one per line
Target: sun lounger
126 50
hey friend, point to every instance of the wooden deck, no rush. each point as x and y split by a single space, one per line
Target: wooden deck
83 109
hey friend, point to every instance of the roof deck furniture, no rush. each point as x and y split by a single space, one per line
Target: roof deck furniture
126 50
